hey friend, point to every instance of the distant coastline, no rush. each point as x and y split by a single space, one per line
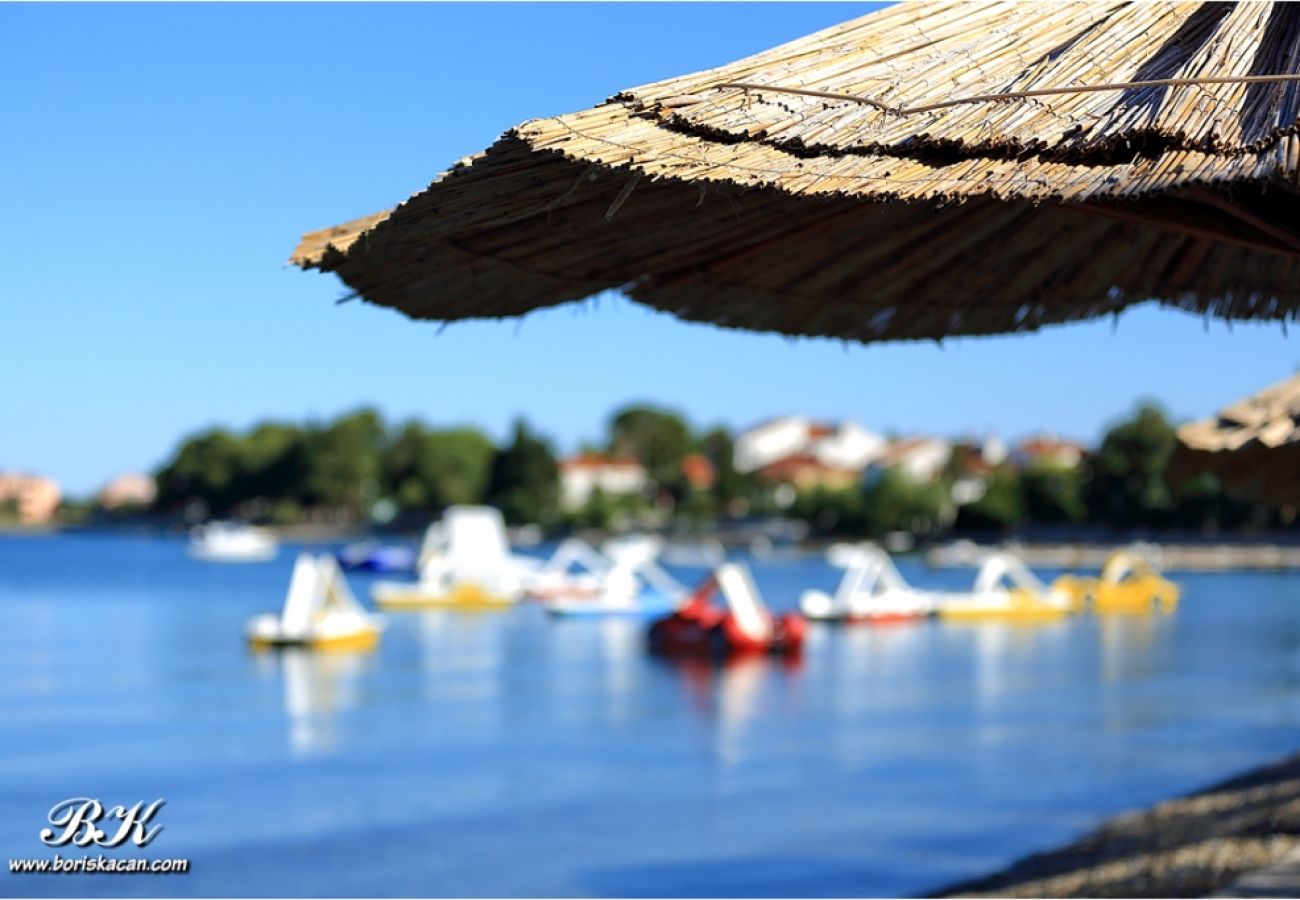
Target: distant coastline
654 471
1276 551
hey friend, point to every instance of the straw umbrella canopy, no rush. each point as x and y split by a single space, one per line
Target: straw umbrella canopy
1252 445
932 169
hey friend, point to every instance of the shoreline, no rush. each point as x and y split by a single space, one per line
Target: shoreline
1173 556
1195 845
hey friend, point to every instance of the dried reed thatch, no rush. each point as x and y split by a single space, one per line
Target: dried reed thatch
932 169
1253 444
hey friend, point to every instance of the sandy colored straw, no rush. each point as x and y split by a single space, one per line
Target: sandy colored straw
1065 198
1253 444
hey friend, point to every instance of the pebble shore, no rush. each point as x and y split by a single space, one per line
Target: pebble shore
1193 846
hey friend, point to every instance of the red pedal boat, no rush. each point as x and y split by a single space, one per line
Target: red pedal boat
699 628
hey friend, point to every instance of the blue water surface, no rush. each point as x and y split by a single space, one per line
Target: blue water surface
512 754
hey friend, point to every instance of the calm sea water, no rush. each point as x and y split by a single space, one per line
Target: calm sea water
510 754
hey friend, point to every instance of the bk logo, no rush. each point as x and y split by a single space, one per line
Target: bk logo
77 822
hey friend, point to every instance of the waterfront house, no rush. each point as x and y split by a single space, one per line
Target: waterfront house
920 458
33 500
1048 448
805 472
584 474
128 489
843 446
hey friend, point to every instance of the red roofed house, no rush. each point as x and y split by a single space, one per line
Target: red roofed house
582 475
698 471
843 446
921 458
1050 449
806 472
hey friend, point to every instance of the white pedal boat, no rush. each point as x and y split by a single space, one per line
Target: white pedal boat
622 579
320 612
871 591
1005 589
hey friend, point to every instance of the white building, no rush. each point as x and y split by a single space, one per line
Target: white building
844 446
581 476
773 440
849 446
920 458
994 450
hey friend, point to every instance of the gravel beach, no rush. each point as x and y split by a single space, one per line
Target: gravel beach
1192 846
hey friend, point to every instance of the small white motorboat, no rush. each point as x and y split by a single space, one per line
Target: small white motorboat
319 612
231 542
623 578
872 590
465 563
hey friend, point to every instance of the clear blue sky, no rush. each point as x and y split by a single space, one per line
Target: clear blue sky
159 163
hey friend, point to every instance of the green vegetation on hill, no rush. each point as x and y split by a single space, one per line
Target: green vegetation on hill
348 470
358 469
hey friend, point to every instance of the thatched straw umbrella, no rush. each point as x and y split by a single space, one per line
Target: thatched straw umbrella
1252 445
932 169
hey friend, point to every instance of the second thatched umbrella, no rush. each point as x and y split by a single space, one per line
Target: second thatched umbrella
1253 445
925 171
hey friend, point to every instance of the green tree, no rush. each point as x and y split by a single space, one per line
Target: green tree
598 512
729 485
271 463
344 463
205 467
896 502
828 511
524 480
998 509
1128 484
657 438
1052 493
1203 504
431 470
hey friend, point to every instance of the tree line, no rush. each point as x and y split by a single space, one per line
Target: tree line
354 469
359 469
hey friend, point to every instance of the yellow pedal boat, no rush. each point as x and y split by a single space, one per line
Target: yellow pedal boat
1129 585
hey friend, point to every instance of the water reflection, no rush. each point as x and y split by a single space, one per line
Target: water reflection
896 758
317 687
734 694
592 668
622 646
882 651
462 655
1002 651
1127 644
740 702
